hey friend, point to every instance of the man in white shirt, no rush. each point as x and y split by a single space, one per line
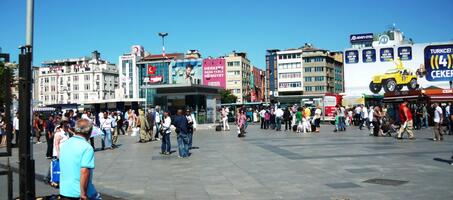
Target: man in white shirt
157 122
16 128
278 118
262 114
364 118
438 119
105 123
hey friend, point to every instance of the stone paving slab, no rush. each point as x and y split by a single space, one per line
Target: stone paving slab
273 165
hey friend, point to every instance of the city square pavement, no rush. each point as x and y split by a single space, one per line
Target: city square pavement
272 165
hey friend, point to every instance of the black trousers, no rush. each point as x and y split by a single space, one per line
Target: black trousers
262 123
49 142
287 124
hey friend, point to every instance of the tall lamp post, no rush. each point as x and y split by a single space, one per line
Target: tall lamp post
162 35
26 161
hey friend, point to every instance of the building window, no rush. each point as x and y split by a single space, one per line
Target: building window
319 69
319 88
234 73
307 69
308 79
319 78
86 77
75 78
295 65
289 84
76 87
52 88
87 86
308 88
86 96
52 98
289 75
76 96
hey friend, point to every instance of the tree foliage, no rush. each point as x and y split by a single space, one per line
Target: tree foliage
5 84
227 97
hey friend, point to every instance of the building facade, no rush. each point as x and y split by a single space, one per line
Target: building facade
289 73
271 73
155 69
238 73
258 87
323 72
80 80
128 73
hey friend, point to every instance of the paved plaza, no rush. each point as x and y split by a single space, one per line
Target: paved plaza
273 165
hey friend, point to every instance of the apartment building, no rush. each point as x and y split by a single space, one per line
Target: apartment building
237 75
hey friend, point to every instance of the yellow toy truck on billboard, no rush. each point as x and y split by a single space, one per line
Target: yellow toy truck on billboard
394 79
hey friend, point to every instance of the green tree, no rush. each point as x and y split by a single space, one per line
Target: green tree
5 80
227 97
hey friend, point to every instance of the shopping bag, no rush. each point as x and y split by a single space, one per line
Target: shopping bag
55 171
96 132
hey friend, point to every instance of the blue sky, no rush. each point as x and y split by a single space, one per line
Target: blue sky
68 28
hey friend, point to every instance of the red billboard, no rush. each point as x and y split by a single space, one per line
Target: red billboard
214 72
151 70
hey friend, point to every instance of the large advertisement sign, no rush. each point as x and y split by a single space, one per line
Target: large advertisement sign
405 53
151 70
369 55
214 72
386 54
352 56
186 71
439 62
365 37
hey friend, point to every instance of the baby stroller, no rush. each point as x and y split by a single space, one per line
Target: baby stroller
388 127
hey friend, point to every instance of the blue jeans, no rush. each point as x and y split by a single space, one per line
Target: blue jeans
278 121
166 145
190 135
183 146
107 139
425 120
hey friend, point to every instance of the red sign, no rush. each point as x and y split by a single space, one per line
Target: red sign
153 79
151 70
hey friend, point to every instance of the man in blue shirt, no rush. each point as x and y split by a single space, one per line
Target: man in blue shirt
182 134
77 164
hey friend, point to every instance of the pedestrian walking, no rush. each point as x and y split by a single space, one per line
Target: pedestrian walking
106 127
38 127
165 130
287 119
241 123
182 132
150 118
158 122
406 120
77 164
16 129
263 118
278 119
2 131
425 116
364 117
115 118
448 120
50 128
317 119
438 120
142 123
224 115
192 126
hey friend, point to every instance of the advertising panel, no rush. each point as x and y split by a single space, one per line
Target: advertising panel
151 70
214 72
186 71
352 56
386 54
369 55
405 53
439 62
365 37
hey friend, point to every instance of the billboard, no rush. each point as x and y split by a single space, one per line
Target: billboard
186 71
386 54
405 53
365 37
214 72
439 62
369 55
351 56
